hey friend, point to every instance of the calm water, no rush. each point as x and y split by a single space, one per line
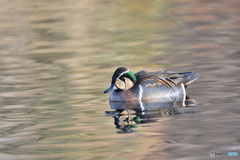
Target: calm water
57 57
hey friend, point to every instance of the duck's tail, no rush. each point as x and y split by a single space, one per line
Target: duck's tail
190 78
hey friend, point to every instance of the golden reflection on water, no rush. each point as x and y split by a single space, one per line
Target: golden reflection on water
57 57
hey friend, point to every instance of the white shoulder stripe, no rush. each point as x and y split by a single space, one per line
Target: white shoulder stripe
140 93
184 93
140 97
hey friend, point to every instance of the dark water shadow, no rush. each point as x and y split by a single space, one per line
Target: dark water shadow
128 115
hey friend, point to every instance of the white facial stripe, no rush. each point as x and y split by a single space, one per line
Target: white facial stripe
122 74
114 87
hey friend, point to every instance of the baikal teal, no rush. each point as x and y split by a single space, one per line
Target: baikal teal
149 86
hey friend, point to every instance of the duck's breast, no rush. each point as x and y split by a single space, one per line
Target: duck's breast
126 95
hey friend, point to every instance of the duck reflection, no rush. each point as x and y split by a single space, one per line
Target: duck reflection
127 115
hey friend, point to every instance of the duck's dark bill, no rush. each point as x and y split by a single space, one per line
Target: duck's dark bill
110 89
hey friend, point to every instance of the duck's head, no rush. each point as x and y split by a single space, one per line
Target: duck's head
122 79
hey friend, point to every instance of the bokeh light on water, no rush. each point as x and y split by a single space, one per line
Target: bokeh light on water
58 56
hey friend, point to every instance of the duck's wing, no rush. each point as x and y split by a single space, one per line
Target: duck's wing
167 78
186 77
153 78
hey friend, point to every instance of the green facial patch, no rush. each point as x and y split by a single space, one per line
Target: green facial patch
130 75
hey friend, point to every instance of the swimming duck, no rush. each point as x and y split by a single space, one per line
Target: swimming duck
148 86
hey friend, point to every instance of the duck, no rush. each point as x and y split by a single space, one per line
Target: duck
149 86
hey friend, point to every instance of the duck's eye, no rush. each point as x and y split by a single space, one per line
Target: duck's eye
122 79
120 84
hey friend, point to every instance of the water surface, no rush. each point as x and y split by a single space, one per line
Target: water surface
57 58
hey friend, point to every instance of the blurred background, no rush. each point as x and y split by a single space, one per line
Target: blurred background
57 57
